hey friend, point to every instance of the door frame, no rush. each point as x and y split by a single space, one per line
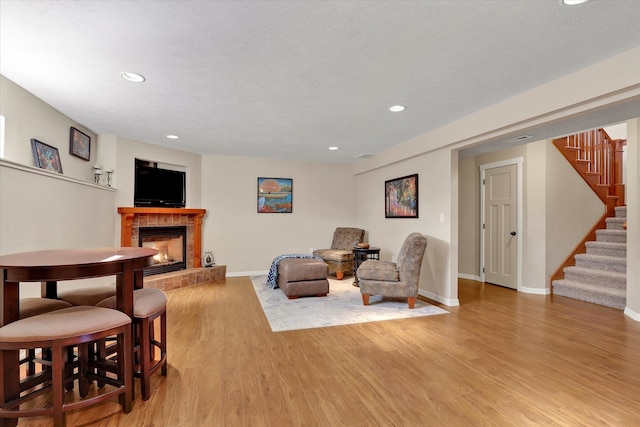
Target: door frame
517 161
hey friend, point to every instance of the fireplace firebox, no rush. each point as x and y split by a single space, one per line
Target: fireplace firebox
171 244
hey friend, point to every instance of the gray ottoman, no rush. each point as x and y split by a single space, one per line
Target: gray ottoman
299 277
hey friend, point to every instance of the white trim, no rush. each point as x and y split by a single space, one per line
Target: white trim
50 174
247 273
469 277
483 168
632 314
448 302
535 291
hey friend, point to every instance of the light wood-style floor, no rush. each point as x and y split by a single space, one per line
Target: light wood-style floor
500 359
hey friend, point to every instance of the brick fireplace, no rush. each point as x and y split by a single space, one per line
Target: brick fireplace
133 219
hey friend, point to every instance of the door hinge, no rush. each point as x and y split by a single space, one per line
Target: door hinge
483 226
483 269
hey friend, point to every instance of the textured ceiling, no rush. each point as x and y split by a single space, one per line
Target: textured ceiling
288 79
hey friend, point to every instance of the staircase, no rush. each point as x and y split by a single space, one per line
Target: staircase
600 275
596 269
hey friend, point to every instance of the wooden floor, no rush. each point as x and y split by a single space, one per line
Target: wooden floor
500 359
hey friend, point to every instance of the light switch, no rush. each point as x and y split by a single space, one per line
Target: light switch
442 217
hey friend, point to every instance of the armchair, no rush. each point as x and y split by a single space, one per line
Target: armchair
340 257
399 279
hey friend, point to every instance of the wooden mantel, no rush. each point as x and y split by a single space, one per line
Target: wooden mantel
168 217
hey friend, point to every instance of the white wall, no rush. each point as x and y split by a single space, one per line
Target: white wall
246 241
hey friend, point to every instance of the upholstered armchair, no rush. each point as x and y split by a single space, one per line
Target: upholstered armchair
394 279
340 257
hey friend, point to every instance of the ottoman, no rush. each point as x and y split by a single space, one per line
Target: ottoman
299 277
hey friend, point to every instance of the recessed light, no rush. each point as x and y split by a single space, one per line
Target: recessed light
172 136
132 77
334 148
397 108
573 2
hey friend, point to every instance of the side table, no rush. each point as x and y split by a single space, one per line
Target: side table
360 255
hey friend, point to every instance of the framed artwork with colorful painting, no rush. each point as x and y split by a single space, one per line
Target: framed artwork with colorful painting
45 156
79 144
401 197
275 195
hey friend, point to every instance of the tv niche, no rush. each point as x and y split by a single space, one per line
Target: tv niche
157 187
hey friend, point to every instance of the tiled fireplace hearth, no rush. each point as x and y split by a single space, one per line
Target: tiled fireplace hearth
132 219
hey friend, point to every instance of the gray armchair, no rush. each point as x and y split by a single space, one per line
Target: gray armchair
394 279
340 257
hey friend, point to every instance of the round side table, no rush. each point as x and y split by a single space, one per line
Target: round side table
360 255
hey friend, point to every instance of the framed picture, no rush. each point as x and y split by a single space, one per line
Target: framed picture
79 144
401 197
46 156
275 195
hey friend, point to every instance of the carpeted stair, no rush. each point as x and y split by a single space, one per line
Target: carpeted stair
600 275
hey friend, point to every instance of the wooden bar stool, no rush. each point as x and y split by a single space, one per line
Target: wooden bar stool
149 304
87 296
57 330
31 307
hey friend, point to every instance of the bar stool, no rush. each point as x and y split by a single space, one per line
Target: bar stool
149 304
87 296
31 307
74 326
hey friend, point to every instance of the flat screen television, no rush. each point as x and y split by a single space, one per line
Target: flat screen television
157 187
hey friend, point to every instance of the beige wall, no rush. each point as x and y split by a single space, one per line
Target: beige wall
246 241
633 219
27 117
434 199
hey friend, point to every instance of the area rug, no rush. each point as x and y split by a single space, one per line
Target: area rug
342 306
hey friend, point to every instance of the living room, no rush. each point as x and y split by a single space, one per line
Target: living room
327 195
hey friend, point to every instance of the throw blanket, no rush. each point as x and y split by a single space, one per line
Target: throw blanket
272 278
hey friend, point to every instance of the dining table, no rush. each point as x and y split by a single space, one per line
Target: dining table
48 267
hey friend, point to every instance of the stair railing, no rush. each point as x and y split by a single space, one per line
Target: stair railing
603 158
599 161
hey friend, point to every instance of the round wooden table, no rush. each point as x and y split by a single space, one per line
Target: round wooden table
50 266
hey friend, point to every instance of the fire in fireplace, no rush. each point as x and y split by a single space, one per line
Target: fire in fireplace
171 244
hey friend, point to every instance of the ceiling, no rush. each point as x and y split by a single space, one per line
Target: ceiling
288 79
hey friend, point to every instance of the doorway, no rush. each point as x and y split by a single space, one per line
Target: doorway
501 222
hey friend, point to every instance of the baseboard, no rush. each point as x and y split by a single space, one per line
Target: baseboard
469 277
632 314
448 302
535 291
247 273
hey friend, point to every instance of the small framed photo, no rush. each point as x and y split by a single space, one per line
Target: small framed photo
401 197
80 144
45 156
275 195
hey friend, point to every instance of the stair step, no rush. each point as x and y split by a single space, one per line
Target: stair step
615 298
608 235
601 262
621 211
608 279
615 223
607 249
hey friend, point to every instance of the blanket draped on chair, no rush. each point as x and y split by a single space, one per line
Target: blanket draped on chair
272 278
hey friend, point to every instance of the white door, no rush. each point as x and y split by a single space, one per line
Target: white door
500 226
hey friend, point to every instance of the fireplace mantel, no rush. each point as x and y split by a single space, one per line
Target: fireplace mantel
132 218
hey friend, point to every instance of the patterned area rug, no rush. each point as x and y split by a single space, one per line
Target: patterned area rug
342 306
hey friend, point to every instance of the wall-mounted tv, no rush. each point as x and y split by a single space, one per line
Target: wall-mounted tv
158 187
